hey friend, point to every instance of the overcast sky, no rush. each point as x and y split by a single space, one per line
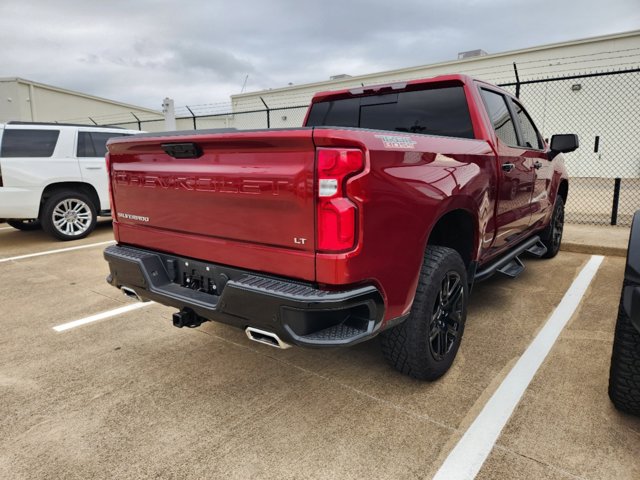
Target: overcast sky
199 52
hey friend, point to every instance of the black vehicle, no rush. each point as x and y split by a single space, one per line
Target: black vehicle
624 377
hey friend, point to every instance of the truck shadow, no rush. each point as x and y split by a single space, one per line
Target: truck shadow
503 317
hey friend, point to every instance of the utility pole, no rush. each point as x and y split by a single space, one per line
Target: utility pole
169 112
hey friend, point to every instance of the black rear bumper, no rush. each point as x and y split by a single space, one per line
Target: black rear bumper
297 312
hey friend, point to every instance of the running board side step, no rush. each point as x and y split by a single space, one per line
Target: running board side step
512 269
537 250
511 265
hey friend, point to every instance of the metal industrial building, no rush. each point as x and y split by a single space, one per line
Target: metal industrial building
600 107
28 101
558 59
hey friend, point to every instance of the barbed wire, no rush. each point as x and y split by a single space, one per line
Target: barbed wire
503 66
287 99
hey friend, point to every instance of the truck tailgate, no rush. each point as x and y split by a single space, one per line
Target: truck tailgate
241 198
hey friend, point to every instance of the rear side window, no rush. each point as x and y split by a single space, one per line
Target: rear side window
438 111
28 143
530 136
94 144
500 116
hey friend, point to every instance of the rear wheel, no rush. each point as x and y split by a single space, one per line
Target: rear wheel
624 376
425 344
69 215
552 235
25 224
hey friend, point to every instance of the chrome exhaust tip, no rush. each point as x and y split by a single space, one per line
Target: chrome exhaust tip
131 293
268 338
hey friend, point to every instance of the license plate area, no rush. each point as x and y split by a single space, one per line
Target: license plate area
198 276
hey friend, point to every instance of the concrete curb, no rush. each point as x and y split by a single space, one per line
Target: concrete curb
593 249
596 240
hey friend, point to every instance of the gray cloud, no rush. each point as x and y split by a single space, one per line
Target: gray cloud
200 51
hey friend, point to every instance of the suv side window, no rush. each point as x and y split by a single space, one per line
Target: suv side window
85 145
94 144
498 111
530 136
28 143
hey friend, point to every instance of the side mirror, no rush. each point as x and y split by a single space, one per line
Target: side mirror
564 143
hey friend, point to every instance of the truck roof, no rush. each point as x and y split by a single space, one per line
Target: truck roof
454 78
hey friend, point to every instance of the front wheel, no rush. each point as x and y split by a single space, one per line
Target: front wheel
552 235
25 224
69 215
425 344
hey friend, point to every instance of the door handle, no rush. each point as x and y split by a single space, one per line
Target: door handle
537 165
507 167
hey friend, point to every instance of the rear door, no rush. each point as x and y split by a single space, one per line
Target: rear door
534 151
90 150
515 171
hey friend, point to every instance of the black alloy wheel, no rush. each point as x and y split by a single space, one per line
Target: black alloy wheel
426 343
447 316
557 228
552 235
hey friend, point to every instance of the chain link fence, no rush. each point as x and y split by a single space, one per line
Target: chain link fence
602 108
281 117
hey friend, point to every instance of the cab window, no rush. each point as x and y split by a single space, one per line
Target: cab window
498 111
530 136
435 111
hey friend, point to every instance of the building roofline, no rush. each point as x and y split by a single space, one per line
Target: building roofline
78 94
548 46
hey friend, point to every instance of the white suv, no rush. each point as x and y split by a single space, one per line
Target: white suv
54 176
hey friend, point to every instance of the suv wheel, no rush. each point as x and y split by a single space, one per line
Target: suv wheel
624 376
552 235
425 344
69 215
25 224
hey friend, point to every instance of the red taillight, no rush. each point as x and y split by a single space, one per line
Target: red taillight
107 160
336 213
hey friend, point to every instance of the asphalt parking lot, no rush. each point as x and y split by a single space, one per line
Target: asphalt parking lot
131 396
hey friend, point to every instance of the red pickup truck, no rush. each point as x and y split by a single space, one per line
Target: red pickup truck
376 217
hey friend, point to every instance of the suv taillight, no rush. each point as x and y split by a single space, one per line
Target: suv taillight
337 214
107 161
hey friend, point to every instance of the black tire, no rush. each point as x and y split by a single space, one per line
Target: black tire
425 344
58 218
25 224
552 235
624 376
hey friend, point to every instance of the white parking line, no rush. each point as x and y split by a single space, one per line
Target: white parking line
59 250
468 456
101 316
7 228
